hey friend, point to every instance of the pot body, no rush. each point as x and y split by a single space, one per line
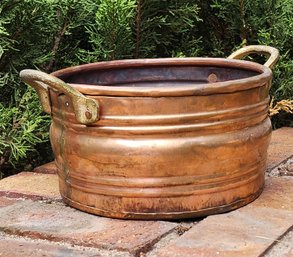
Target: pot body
152 156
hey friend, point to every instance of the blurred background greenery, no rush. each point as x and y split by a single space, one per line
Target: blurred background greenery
53 34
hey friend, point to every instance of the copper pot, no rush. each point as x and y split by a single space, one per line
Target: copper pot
159 138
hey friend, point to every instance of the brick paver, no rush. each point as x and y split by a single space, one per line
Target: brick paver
12 247
48 168
30 185
283 248
4 201
24 247
281 146
246 232
59 223
278 194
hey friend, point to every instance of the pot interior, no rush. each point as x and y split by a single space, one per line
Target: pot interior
156 75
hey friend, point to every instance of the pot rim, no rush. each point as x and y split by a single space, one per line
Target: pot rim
229 86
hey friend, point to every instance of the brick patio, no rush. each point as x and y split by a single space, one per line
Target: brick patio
35 222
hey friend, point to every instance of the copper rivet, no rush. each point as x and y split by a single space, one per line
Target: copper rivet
212 78
88 114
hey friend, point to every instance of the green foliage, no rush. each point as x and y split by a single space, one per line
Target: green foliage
269 22
280 34
22 126
166 28
111 33
33 34
53 34
143 28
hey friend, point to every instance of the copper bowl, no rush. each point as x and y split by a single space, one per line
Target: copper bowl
159 138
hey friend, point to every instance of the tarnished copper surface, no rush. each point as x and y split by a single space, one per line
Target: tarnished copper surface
176 138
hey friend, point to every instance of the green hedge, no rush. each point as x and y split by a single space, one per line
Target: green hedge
53 34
